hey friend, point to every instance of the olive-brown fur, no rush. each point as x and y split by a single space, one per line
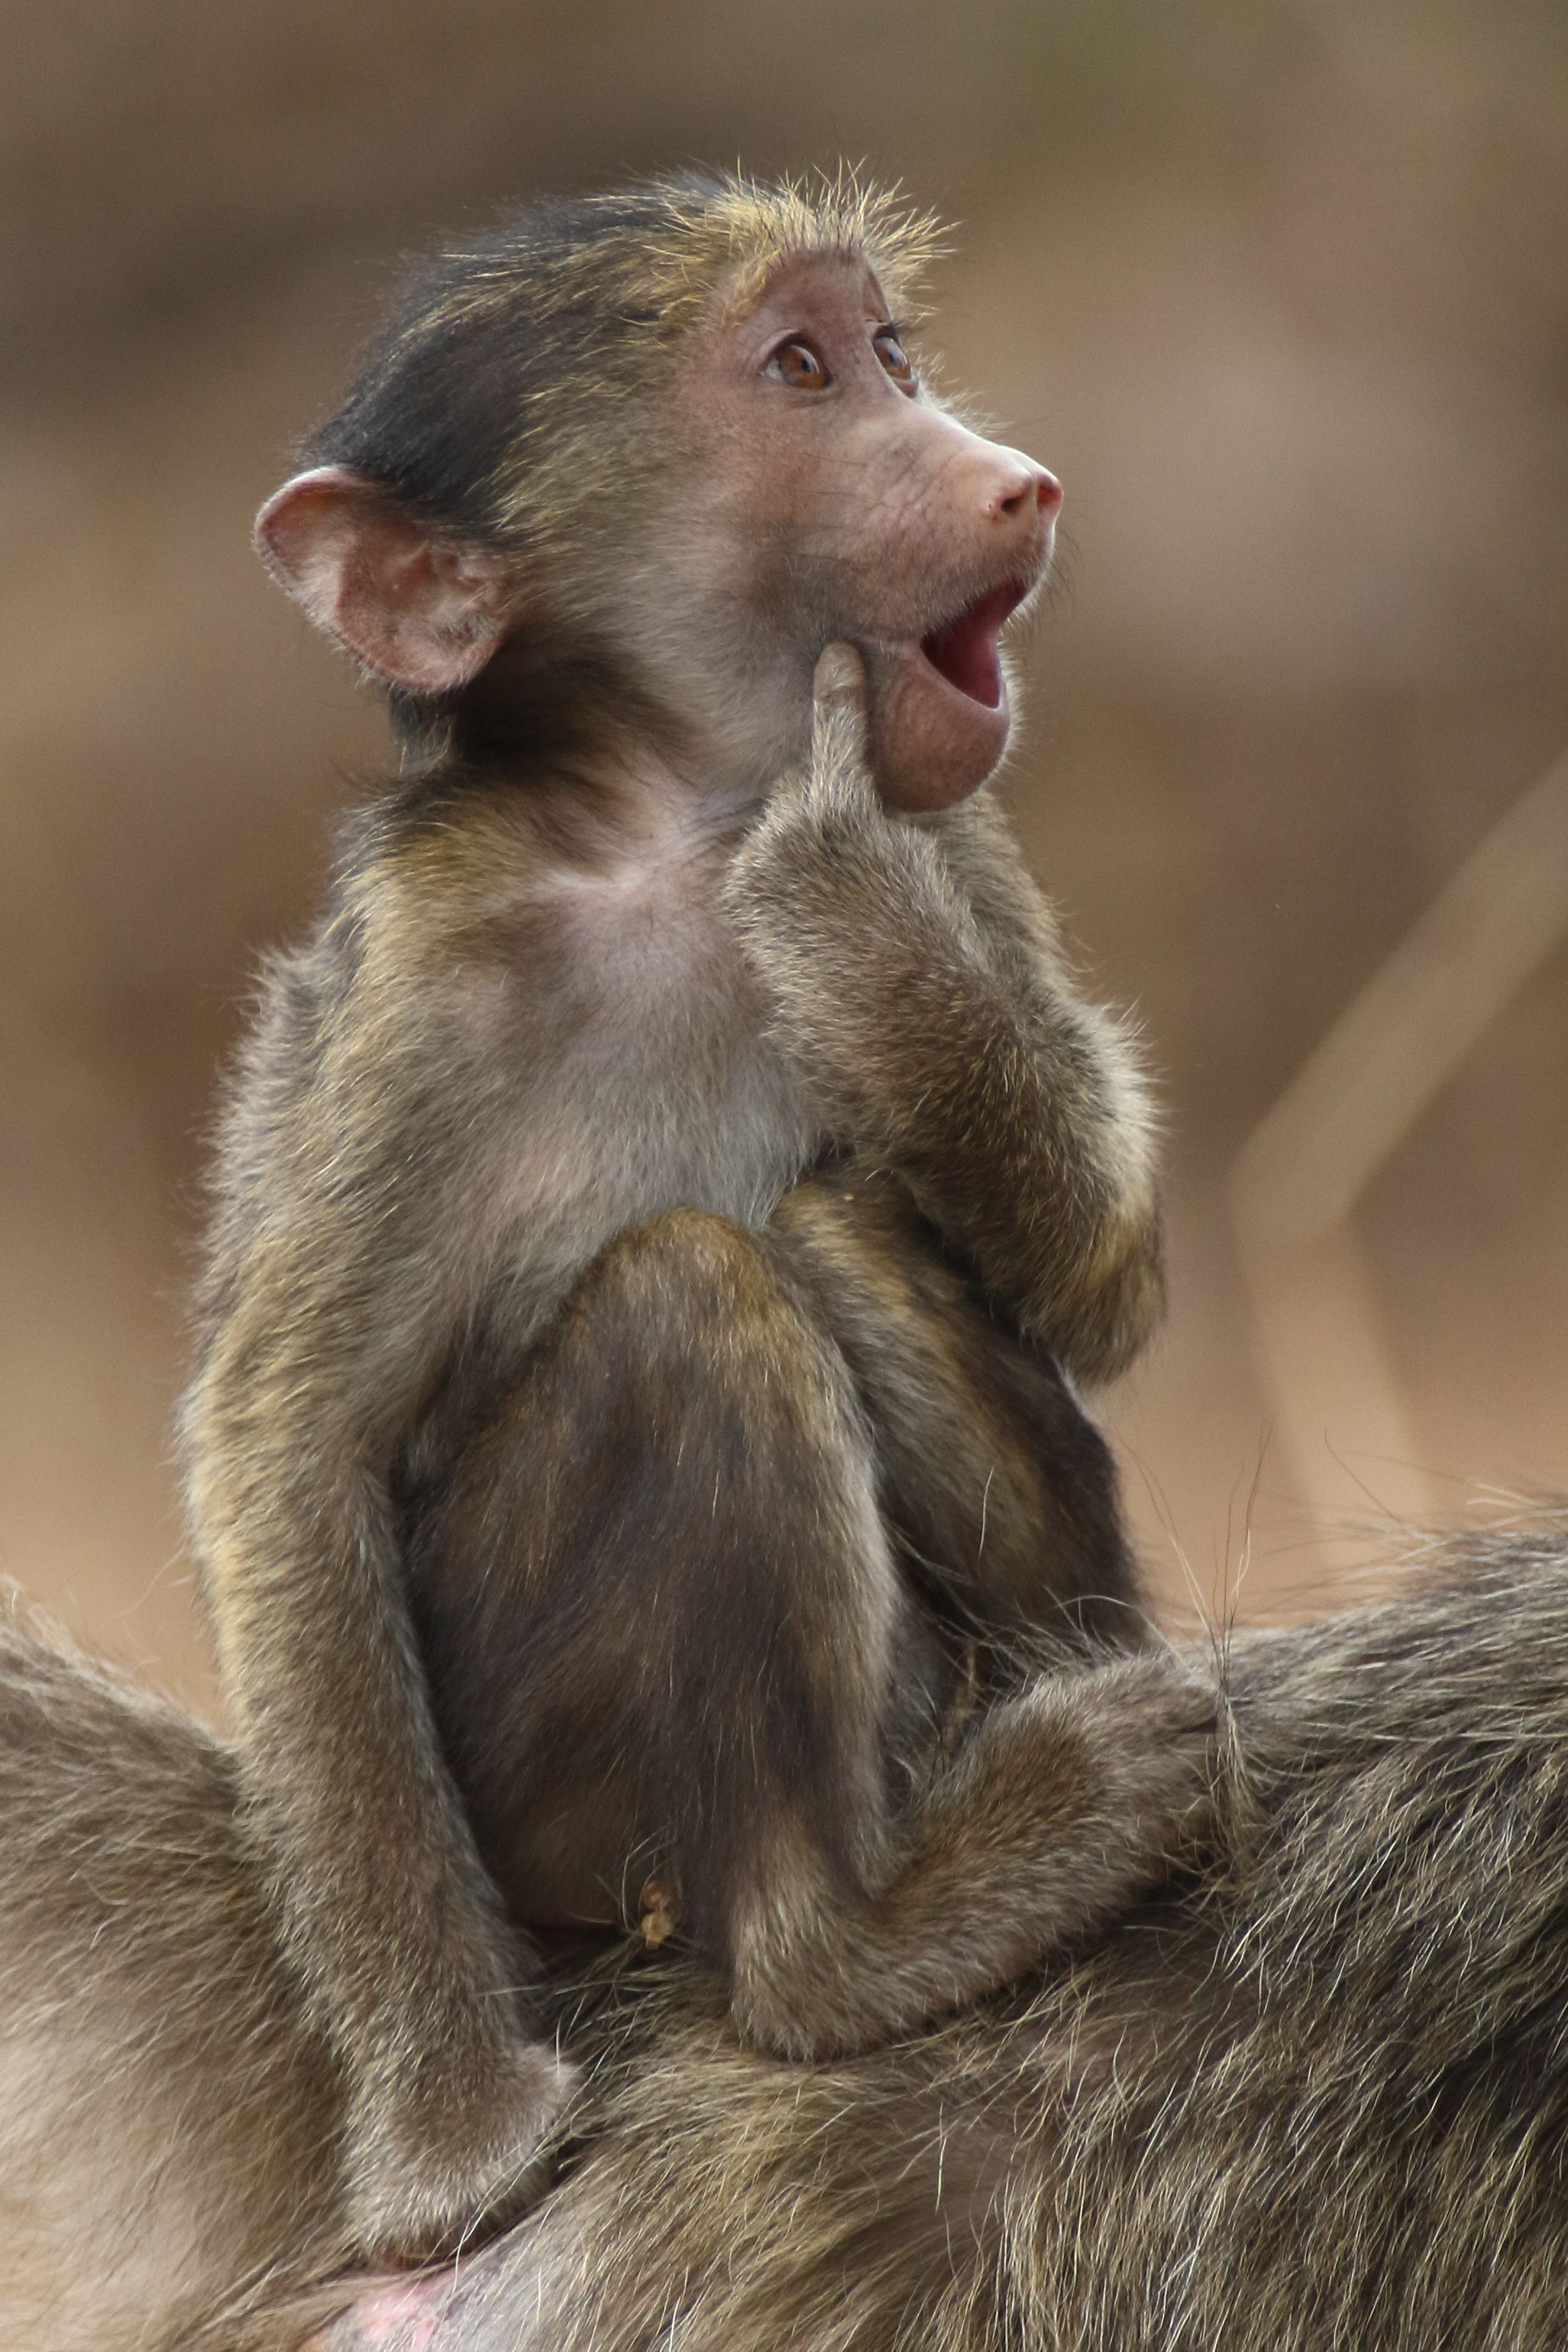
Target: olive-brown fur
661 1212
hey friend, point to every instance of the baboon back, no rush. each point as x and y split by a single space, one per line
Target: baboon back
1316 2097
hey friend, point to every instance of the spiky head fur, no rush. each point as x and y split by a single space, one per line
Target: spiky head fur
510 357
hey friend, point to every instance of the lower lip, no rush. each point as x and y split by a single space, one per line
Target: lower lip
962 740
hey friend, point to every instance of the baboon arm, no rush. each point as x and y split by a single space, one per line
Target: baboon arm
999 1489
1085 1057
920 985
333 1310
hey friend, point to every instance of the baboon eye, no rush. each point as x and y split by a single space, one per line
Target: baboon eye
796 364
894 358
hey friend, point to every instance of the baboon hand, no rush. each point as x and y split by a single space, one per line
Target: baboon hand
426 2179
838 780
832 896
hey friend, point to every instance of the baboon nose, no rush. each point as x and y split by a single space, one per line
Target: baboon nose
1029 492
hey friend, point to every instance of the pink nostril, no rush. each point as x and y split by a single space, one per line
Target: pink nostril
1041 493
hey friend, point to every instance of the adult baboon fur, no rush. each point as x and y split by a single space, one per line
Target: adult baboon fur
1316 2097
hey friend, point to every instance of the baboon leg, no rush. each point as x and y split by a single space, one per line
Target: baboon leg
660 1567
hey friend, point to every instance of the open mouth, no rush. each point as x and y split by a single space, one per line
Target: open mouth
965 651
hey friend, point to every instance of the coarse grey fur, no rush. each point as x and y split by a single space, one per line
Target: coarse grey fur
1315 2099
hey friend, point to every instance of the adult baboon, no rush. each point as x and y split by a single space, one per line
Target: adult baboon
1314 2099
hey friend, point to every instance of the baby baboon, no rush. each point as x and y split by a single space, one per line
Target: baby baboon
663 1210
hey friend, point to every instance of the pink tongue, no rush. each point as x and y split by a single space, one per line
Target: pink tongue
965 651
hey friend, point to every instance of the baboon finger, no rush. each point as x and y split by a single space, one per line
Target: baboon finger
838 711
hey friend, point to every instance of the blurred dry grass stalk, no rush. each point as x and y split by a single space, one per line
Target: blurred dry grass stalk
1279 287
1298 1178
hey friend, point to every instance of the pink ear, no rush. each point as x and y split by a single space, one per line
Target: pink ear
422 612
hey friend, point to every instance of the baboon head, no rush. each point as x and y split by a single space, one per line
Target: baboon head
649 453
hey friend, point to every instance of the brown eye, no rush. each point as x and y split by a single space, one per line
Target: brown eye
797 365
893 356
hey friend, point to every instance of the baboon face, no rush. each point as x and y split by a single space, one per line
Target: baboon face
782 481
828 497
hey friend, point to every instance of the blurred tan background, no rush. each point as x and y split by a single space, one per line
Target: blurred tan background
1280 288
